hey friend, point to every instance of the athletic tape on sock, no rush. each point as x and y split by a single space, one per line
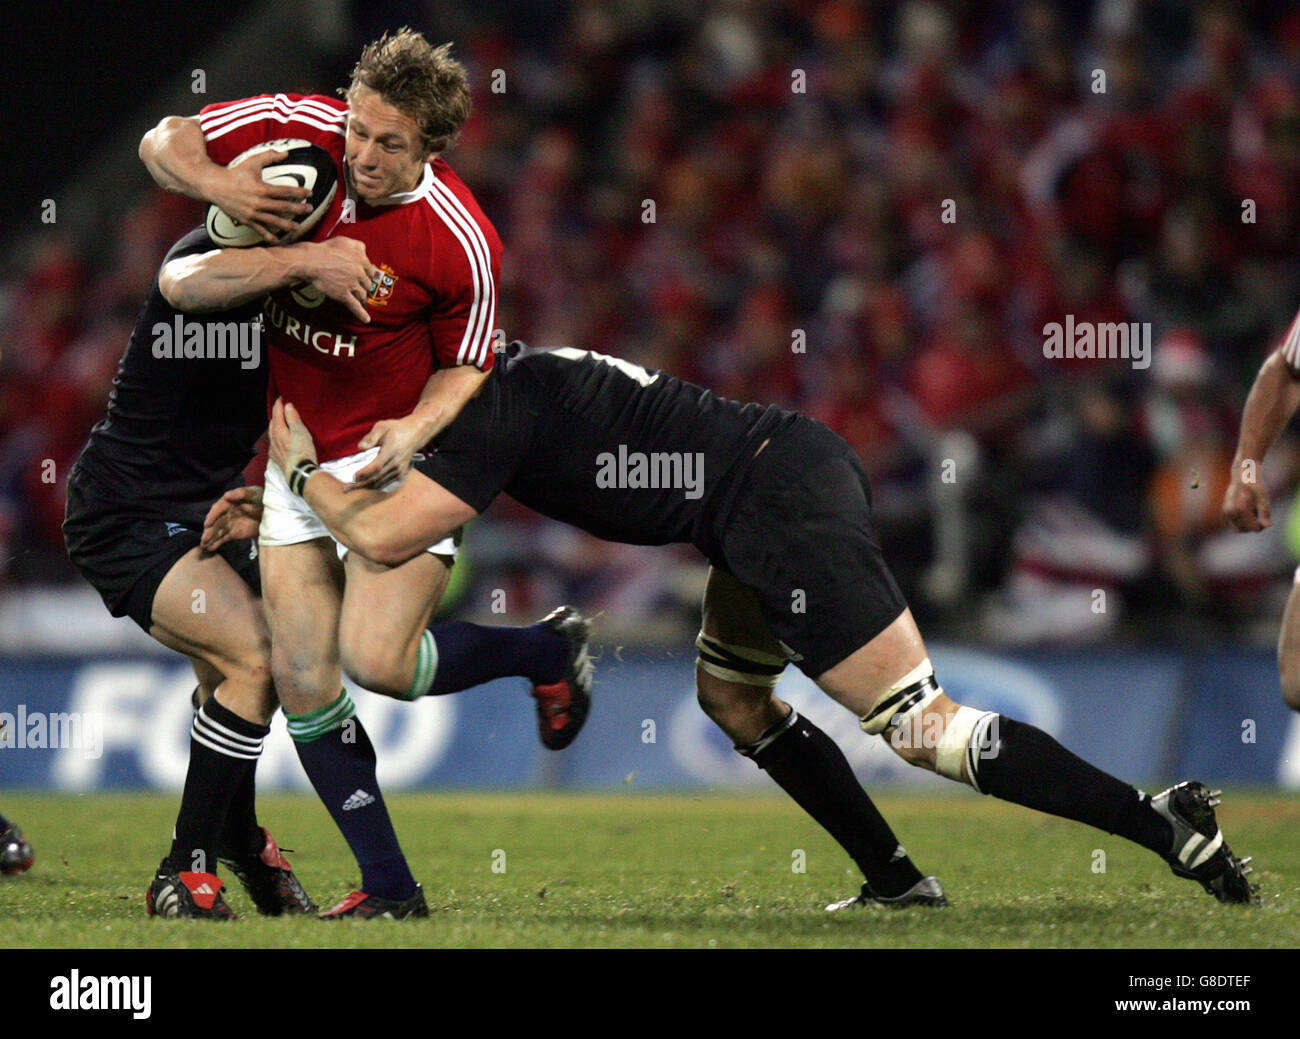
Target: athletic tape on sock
966 738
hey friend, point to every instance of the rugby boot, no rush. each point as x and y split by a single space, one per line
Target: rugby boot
174 894
269 880
1199 851
360 906
925 892
16 855
562 706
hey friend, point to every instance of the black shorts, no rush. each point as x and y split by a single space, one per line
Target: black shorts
799 535
124 551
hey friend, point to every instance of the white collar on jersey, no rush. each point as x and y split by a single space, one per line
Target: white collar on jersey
402 197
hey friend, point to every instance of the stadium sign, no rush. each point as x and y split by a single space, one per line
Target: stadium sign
1147 716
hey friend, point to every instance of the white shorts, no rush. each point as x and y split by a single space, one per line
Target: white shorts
289 520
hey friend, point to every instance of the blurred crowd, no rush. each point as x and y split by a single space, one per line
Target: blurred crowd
868 212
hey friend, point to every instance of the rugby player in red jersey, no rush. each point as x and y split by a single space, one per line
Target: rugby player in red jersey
379 380
178 433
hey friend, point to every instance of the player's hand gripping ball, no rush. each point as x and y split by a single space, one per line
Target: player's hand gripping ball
305 165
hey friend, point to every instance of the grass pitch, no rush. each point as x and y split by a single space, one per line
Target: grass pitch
563 870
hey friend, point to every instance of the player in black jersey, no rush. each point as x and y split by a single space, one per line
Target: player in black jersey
186 412
781 507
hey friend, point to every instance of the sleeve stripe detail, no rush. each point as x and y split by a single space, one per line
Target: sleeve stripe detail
274 117
280 101
1291 345
476 343
227 112
218 124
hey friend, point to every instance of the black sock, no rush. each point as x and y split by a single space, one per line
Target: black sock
808 766
1022 764
242 837
471 654
4 824
339 759
223 749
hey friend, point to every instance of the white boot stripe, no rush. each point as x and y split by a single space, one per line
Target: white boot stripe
1208 851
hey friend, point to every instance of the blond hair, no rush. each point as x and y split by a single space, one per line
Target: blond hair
422 81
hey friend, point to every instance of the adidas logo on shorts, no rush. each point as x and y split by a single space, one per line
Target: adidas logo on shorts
358 800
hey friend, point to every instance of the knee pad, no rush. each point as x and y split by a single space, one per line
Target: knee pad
967 737
741 664
905 699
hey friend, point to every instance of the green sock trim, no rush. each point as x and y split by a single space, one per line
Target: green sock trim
304 728
426 666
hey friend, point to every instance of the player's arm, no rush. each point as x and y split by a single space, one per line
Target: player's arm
387 529
176 156
1270 406
224 278
445 394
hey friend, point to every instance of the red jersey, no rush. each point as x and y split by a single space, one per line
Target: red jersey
433 305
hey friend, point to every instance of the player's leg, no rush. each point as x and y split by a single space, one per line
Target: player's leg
890 684
383 623
224 632
241 833
204 609
739 664
803 539
1288 648
387 646
246 847
202 606
302 589
302 594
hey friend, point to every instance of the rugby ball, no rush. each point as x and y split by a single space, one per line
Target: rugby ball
305 165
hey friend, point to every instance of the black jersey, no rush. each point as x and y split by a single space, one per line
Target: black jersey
187 408
626 454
